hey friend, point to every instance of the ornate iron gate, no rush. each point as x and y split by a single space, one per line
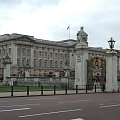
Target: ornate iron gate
96 71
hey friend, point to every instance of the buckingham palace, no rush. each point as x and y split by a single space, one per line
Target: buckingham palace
41 57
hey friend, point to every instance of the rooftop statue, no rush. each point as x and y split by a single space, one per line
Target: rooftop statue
81 35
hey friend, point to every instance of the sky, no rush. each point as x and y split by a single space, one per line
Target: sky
49 19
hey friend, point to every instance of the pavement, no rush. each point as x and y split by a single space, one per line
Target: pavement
18 93
102 106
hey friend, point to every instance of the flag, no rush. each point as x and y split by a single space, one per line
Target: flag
68 27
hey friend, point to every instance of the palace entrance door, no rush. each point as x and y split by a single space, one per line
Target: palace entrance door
96 70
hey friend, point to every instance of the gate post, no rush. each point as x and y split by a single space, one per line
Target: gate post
111 70
81 56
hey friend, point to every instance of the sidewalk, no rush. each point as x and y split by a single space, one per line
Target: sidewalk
32 93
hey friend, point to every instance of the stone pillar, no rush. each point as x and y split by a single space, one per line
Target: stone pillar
81 67
119 64
80 60
32 57
6 72
111 72
7 66
14 54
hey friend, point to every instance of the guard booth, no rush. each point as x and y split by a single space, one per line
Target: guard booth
96 72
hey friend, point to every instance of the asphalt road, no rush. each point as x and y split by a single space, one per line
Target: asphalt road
102 106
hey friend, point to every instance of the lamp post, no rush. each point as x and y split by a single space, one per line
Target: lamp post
111 43
111 68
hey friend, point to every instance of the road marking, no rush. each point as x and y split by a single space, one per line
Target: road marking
75 101
109 106
14 110
57 112
101 104
77 119
21 105
44 99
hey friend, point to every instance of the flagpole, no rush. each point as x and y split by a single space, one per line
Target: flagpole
69 32
68 28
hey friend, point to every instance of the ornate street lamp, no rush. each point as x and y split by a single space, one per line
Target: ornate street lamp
111 43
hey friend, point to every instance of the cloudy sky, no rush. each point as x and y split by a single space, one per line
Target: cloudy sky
49 19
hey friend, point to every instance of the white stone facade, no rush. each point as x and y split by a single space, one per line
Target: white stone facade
45 56
111 72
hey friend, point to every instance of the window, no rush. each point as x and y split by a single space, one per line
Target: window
9 51
42 48
51 54
40 53
18 61
28 62
45 54
23 51
65 55
45 64
35 53
60 55
56 64
23 62
18 51
56 55
72 74
40 63
3 52
51 63
28 52
35 63
60 64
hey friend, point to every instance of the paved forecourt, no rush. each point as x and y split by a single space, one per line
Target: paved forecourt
62 107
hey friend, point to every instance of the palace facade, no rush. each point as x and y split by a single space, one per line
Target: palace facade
42 57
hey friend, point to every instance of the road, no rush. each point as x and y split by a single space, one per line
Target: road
102 106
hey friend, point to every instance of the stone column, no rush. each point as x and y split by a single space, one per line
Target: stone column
7 66
81 67
119 63
32 57
14 54
6 71
80 60
111 72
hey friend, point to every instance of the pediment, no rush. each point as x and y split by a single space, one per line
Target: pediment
25 38
16 37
